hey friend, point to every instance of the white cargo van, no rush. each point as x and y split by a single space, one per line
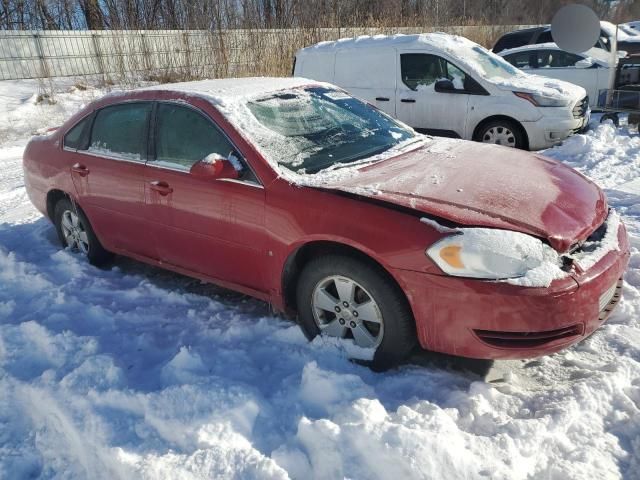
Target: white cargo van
447 85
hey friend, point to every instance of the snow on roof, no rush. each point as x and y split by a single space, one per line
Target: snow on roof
602 56
610 29
230 89
420 40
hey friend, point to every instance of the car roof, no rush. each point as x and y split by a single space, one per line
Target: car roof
526 30
437 40
229 89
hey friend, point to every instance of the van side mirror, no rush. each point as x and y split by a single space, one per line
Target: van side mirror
444 86
214 166
584 63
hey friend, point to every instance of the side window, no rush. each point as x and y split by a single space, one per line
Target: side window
422 70
184 137
121 131
557 59
519 60
565 59
544 58
77 138
513 40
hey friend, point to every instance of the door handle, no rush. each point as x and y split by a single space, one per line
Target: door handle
382 99
407 100
80 169
161 187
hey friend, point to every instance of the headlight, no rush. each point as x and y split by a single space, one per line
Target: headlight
543 100
491 254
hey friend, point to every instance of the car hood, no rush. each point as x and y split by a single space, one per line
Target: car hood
474 184
551 87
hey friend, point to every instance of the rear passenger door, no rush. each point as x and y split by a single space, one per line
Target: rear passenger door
109 150
420 106
214 227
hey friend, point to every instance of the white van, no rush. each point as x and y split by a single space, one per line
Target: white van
447 85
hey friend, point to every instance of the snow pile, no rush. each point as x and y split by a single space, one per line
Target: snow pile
28 109
134 372
608 155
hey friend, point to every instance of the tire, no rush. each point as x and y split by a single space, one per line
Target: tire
395 333
501 132
611 116
75 232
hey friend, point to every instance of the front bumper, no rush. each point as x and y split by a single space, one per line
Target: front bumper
497 320
552 130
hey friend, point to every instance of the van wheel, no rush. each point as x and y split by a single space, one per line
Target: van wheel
344 297
501 132
75 232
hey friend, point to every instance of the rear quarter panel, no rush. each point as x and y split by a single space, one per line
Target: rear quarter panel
46 168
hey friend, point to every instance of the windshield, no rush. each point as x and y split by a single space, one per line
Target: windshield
491 65
311 129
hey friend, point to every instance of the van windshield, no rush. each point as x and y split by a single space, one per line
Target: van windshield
491 65
310 129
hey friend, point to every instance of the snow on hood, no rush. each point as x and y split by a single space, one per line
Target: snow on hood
546 86
469 55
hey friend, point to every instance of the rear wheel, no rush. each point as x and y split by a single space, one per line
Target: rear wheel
76 233
501 132
344 297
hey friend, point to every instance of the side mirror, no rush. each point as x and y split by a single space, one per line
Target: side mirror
584 63
214 166
444 86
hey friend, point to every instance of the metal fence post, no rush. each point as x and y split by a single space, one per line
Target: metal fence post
98 55
44 69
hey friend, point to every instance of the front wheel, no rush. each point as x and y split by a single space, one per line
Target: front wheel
501 132
344 297
75 232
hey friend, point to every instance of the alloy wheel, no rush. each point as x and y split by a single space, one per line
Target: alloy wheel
343 308
74 232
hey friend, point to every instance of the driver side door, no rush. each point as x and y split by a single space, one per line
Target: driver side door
213 227
420 106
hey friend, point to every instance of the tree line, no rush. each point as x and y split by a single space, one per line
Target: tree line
232 14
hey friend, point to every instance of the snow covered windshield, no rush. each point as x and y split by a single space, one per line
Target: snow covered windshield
311 129
490 64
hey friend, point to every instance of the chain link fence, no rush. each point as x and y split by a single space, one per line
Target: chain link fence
124 56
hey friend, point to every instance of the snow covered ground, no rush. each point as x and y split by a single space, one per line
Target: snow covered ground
134 372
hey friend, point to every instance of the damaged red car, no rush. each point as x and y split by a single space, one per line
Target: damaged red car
307 198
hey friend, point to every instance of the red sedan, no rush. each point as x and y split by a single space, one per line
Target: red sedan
304 197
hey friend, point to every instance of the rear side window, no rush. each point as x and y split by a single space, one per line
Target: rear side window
78 137
184 136
420 69
519 60
556 59
545 37
513 40
121 131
